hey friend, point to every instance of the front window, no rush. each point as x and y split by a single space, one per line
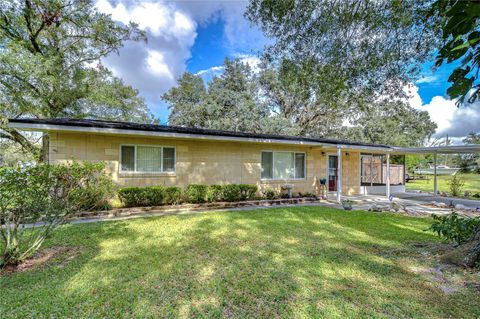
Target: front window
283 165
147 159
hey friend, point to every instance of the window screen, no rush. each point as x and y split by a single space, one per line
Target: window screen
299 165
149 159
136 158
128 158
168 159
283 165
267 165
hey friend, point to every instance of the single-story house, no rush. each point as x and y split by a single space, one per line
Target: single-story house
148 154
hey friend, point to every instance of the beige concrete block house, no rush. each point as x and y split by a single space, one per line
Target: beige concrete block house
145 154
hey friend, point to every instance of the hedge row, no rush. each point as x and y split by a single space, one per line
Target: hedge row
194 193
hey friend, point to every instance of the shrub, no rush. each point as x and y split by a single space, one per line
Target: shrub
141 196
172 195
455 228
247 192
239 192
231 193
153 195
130 196
196 193
95 195
456 185
214 193
45 195
270 194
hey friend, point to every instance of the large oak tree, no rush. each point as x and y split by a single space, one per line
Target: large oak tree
50 53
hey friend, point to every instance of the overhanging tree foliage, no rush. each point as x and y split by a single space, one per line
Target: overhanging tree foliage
50 53
377 45
461 35
366 47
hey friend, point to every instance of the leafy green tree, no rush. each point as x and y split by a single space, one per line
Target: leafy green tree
469 162
50 53
364 47
392 123
301 95
230 101
187 101
377 45
46 196
461 36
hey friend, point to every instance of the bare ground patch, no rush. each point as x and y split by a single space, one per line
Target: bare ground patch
59 256
425 259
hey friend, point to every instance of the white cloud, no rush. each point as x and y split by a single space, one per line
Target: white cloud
428 79
214 70
252 60
158 18
455 121
171 28
152 66
156 64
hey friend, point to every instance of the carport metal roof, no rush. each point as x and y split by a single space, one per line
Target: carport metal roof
449 149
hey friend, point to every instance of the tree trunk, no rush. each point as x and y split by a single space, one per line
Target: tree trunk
25 143
467 254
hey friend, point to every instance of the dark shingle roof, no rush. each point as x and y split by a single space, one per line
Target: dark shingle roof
182 130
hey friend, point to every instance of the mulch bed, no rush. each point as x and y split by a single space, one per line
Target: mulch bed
192 207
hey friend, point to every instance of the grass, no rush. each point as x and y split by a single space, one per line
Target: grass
301 262
472 183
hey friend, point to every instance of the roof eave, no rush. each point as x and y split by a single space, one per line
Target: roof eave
41 127
451 149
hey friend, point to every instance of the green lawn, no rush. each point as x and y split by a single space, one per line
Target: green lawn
472 183
301 262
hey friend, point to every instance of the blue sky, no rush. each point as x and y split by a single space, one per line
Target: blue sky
196 36
209 49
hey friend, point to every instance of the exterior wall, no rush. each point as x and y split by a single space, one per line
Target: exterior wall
351 173
203 162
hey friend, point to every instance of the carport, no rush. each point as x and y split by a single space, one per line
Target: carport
435 150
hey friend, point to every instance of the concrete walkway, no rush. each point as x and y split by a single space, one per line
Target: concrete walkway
427 197
362 202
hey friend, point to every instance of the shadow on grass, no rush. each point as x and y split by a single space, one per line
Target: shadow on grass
267 263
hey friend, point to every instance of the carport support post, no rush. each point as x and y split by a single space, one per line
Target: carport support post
339 174
435 189
388 176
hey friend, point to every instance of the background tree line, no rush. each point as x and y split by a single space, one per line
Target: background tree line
287 100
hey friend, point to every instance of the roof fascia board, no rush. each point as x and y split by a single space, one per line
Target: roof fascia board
439 149
102 130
